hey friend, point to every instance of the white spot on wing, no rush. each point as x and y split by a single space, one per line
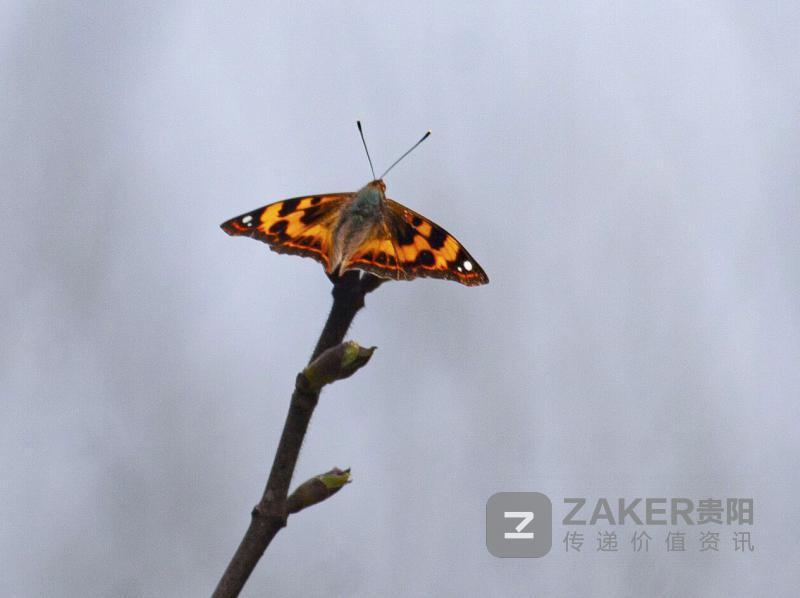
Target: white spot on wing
468 265
247 219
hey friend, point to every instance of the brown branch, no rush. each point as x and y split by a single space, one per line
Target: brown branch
332 360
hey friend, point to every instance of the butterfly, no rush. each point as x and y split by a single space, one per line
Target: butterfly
362 230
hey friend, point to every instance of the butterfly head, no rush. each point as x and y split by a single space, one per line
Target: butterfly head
378 185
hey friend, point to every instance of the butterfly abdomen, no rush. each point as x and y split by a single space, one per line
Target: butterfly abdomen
357 222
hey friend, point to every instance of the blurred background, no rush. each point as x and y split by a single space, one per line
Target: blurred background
627 175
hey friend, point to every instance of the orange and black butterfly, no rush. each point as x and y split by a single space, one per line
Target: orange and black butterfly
362 230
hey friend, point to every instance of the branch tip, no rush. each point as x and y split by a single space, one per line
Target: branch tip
317 489
337 363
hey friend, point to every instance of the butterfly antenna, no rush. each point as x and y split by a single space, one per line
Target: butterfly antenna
424 137
358 123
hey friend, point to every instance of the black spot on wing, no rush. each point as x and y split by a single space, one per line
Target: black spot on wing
279 230
404 233
279 227
310 214
289 206
416 221
437 238
425 258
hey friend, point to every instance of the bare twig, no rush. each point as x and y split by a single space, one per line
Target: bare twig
328 363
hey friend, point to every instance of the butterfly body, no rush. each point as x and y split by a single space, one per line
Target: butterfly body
360 218
363 230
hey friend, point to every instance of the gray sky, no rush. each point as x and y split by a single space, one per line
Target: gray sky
626 175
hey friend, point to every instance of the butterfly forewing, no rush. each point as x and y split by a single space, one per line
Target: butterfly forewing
299 226
423 248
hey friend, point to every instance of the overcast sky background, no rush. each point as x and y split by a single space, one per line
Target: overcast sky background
627 175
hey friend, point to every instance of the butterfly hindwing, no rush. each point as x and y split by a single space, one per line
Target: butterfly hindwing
299 226
420 247
378 256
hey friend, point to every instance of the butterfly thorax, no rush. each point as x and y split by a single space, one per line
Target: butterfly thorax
358 221
366 203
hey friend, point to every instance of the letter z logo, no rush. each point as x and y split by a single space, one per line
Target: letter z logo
527 517
519 524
